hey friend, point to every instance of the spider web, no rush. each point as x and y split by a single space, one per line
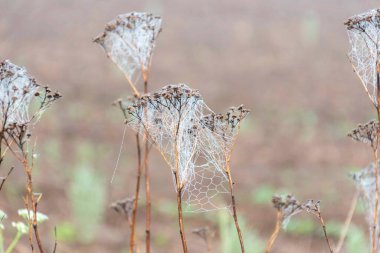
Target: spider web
365 181
17 91
129 41
363 32
175 120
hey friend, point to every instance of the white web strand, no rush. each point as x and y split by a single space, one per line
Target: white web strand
119 155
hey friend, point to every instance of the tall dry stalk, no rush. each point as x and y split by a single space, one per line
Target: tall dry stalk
347 222
17 91
364 35
275 233
129 41
145 74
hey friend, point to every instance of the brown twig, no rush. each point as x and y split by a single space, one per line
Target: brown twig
132 241
317 213
147 179
275 233
5 178
347 222
179 207
234 209
179 187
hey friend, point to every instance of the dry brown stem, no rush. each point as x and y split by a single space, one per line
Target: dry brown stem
3 179
347 222
132 241
275 232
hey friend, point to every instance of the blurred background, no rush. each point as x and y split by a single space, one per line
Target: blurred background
285 60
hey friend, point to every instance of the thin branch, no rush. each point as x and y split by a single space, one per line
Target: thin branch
5 178
275 232
132 241
347 223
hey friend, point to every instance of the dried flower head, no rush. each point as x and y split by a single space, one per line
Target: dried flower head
366 133
364 35
129 41
199 145
288 206
17 92
124 207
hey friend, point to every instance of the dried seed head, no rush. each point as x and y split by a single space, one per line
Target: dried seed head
289 206
124 207
129 41
366 133
17 91
363 32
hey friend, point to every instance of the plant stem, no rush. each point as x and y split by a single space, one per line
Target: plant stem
147 182
180 218
347 222
14 242
34 204
5 178
234 210
324 230
275 233
132 240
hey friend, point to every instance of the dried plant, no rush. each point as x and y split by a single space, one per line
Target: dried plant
17 92
366 133
196 147
206 234
124 207
364 35
129 41
289 206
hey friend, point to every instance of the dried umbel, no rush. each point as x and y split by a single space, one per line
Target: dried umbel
364 35
366 133
174 118
124 207
17 92
365 181
287 206
129 41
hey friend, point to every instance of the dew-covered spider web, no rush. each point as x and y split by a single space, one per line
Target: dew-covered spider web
174 118
17 90
129 41
364 34
365 181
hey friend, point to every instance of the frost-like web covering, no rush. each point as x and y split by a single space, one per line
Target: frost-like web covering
199 146
129 41
17 90
364 34
365 180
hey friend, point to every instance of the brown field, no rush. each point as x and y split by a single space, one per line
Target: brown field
285 60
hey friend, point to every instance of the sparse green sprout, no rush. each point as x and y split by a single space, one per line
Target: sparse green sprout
30 215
